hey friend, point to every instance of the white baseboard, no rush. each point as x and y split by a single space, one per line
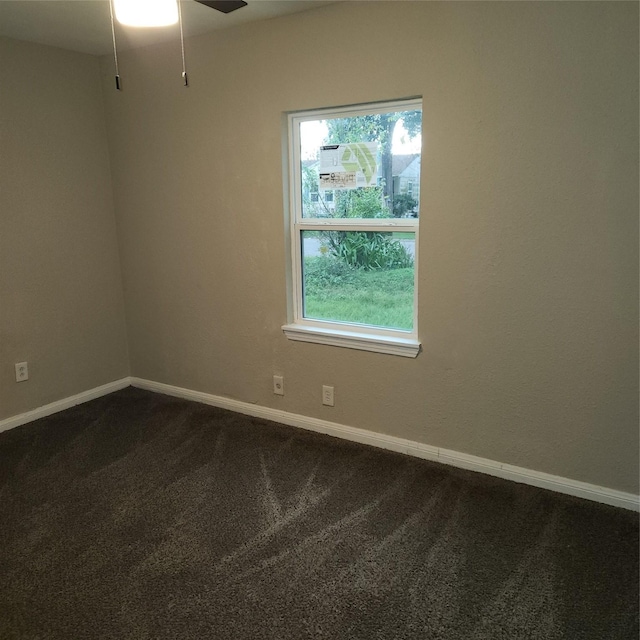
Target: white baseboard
65 403
391 443
416 449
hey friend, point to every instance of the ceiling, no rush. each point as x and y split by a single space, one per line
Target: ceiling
85 25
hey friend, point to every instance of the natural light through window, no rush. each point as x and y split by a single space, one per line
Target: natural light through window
355 205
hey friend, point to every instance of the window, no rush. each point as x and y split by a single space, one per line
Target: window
354 246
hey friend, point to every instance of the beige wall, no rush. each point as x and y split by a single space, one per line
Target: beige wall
529 256
61 306
529 234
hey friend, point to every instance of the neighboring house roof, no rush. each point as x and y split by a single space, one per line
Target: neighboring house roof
400 164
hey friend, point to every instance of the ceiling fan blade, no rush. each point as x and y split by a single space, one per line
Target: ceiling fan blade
226 6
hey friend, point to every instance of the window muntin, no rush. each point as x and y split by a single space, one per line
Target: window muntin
354 233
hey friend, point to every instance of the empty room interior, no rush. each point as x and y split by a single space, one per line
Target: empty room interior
202 435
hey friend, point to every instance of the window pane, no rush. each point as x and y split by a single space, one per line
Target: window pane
370 164
361 277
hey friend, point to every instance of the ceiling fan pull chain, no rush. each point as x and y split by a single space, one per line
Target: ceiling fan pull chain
115 52
185 78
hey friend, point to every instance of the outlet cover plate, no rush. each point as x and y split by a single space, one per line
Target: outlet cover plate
22 371
327 395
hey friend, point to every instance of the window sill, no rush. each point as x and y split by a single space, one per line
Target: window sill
407 347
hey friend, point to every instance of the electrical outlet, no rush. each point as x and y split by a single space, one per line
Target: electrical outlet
278 385
22 371
327 395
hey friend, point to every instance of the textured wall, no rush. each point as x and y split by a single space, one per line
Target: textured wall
61 306
529 263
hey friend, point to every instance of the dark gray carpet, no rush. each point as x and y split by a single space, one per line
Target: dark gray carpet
142 516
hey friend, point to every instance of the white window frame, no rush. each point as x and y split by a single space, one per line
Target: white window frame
343 334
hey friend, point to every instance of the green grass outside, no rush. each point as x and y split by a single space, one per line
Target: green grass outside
379 298
403 235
